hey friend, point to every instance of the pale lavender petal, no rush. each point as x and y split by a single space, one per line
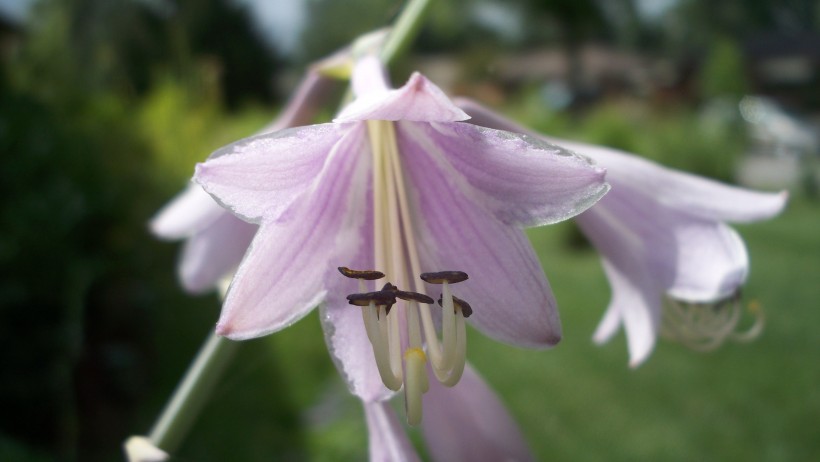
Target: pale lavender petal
469 423
306 101
637 285
418 100
189 212
711 261
691 194
693 258
259 177
342 323
215 252
283 275
486 117
608 326
387 439
523 180
512 301
369 78
698 196
638 300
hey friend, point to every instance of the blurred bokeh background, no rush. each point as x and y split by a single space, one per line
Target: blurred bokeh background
106 105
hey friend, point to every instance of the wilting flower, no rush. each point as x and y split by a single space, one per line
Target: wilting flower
661 233
397 183
216 240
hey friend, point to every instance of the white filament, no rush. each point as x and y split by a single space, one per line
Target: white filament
395 247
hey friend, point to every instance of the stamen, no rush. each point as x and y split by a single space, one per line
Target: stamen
461 353
365 299
706 326
394 343
395 250
444 276
462 310
368 275
460 304
753 332
448 328
433 347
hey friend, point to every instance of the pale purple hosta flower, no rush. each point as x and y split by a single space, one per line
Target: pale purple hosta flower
216 240
661 233
465 423
397 183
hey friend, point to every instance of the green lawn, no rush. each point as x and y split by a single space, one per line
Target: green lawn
282 399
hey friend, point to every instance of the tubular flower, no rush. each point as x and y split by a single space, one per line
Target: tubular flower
216 240
396 184
665 247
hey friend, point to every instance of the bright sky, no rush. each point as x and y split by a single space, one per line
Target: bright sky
15 9
279 21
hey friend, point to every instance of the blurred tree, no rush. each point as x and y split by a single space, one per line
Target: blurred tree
79 274
334 23
742 18
121 46
723 73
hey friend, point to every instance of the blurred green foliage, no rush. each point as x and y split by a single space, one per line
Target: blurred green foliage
723 74
708 140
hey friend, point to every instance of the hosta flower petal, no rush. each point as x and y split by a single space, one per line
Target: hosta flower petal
342 324
282 277
523 180
637 298
418 100
306 101
637 287
608 326
208 256
687 193
711 262
511 297
189 212
259 177
387 439
350 349
468 423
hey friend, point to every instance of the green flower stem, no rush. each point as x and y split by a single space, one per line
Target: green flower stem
193 392
405 29
206 370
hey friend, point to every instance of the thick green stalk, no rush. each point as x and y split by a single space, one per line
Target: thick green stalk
405 29
193 392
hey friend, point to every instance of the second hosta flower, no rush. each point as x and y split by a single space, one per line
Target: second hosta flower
400 185
662 235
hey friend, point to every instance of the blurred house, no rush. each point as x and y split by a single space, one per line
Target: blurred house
783 150
786 67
